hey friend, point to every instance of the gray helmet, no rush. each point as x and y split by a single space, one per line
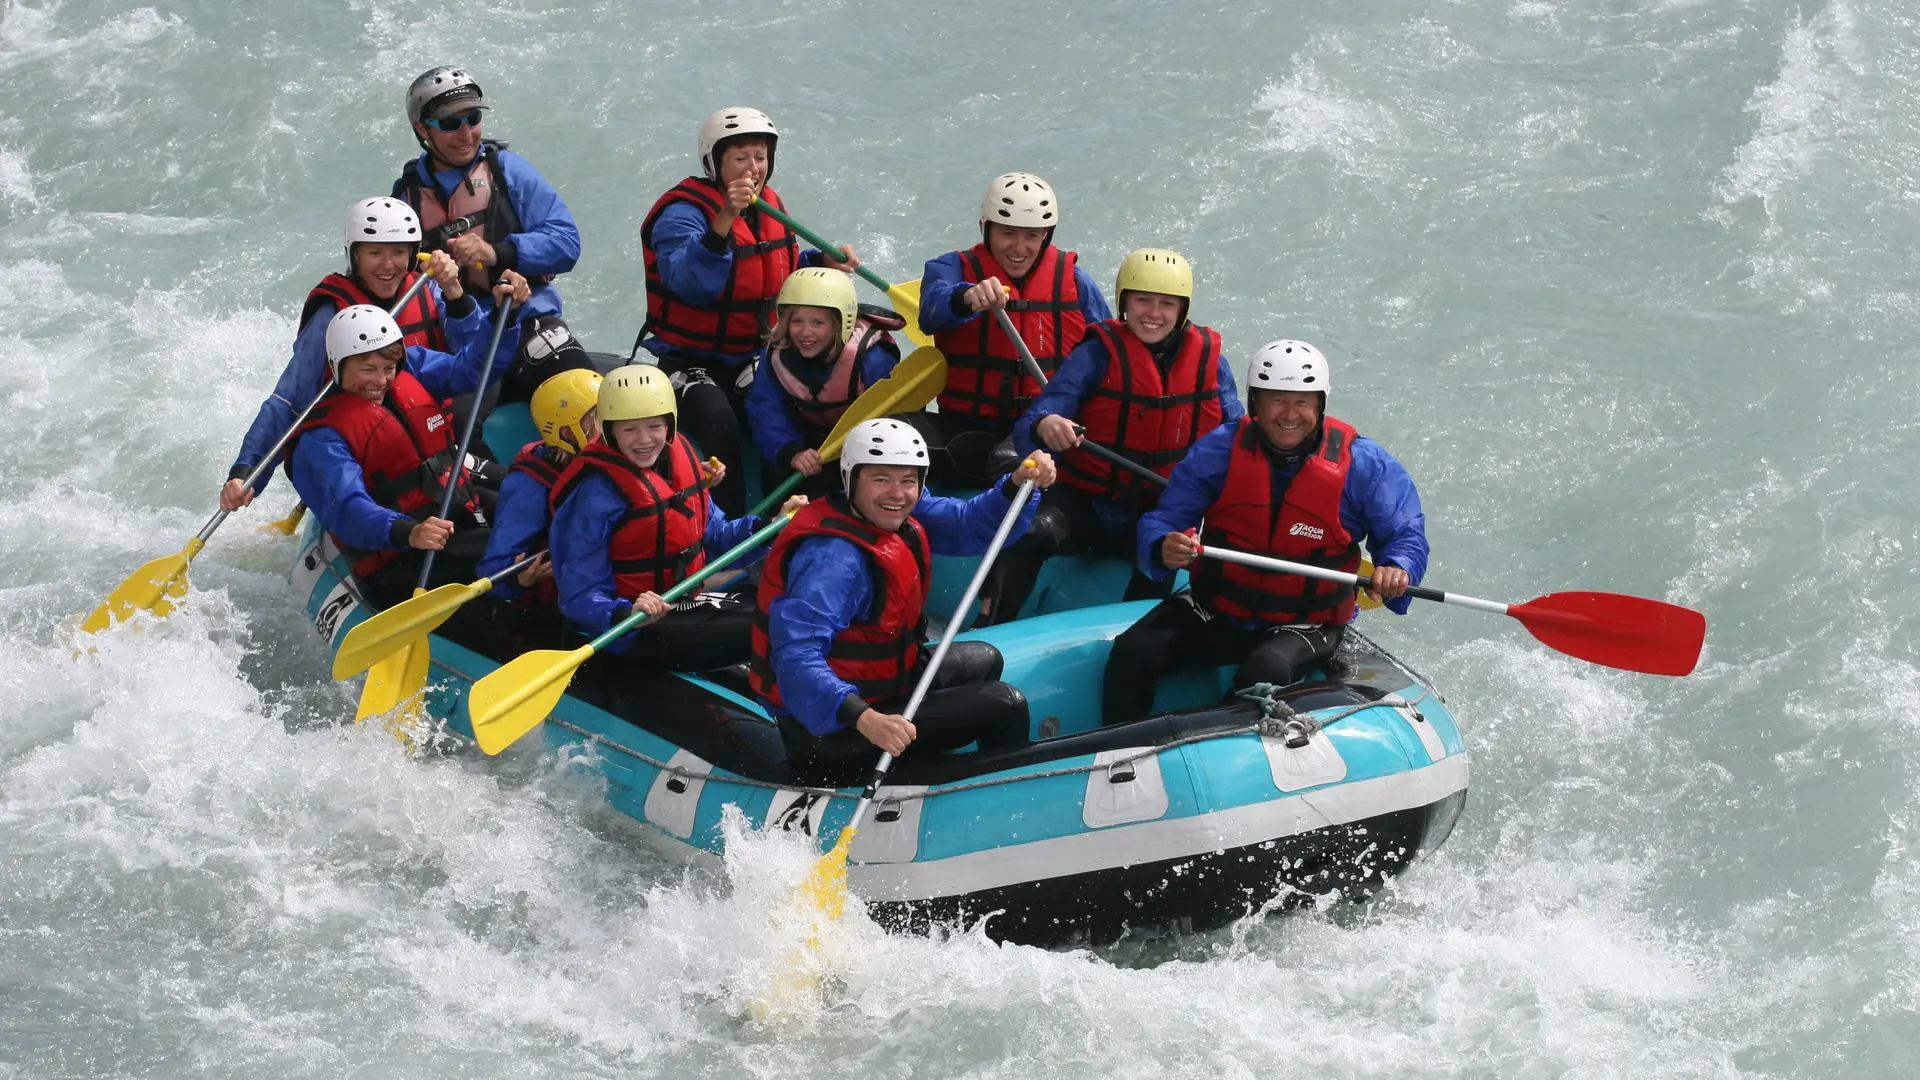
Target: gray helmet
443 86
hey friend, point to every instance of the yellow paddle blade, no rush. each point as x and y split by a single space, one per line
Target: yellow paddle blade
154 587
914 381
286 525
519 695
825 889
1367 603
906 303
395 680
400 626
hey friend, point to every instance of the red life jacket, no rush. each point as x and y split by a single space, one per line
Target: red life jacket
534 460
480 205
822 408
404 445
878 653
1148 419
1305 529
985 377
662 536
419 321
737 321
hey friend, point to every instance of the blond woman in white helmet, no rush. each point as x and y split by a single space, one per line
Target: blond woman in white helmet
1015 266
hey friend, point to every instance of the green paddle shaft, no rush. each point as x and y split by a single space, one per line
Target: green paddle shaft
815 239
773 497
633 621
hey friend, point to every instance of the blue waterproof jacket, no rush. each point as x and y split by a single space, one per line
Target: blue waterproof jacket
776 421
695 261
548 241
943 304
1379 506
519 522
579 541
306 372
1079 375
830 584
330 480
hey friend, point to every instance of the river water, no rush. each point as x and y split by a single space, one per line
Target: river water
1626 285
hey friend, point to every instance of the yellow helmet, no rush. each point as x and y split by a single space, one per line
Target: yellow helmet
817 286
1155 270
561 404
635 392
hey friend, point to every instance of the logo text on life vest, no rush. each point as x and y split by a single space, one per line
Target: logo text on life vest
434 422
1311 532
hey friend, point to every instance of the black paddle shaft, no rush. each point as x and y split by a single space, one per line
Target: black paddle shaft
466 434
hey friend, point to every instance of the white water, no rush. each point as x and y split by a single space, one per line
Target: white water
1627 286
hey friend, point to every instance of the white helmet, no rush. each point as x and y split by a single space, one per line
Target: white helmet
1288 365
381 221
361 328
1020 199
881 442
727 123
443 86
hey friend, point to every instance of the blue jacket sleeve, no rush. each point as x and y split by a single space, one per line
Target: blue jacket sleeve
549 242
693 271
966 526
582 531
1093 302
1194 486
1232 405
330 481
300 383
725 533
776 427
1079 374
829 586
938 283
519 521
450 375
879 362
1381 505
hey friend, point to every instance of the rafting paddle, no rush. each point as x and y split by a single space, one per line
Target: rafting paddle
522 692
157 584
907 388
826 886
418 615
403 674
286 525
906 303
1631 633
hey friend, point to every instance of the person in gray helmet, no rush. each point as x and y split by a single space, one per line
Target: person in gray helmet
492 211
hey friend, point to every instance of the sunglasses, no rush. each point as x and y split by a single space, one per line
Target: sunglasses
454 123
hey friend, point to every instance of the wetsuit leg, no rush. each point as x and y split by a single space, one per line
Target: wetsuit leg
707 417
959 448
456 562
1065 524
700 638
1287 654
1176 634
547 348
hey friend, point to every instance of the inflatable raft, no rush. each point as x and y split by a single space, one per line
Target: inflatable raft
1186 821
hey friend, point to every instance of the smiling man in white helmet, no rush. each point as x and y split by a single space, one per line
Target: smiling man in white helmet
373 459
1287 481
492 211
714 267
841 614
1051 301
382 237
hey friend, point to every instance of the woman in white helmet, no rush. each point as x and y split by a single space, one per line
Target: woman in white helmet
374 458
632 518
826 349
1288 481
1050 299
1146 385
714 266
382 237
837 643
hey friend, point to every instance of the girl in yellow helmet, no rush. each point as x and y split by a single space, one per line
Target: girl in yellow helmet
566 412
826 349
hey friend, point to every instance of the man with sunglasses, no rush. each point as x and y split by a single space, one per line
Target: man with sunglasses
492 211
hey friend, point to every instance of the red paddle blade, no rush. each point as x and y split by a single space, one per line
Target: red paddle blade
1631 633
